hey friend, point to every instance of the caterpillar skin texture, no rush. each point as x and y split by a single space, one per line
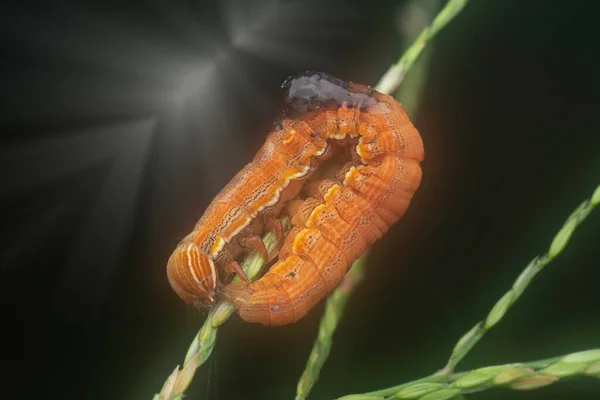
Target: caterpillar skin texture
242 209
339 217
237 216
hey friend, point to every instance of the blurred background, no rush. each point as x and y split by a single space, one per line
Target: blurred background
120 122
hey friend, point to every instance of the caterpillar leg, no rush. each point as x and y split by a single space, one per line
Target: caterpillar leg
234 267
254 242
276 226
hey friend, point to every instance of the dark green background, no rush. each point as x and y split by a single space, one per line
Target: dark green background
510 119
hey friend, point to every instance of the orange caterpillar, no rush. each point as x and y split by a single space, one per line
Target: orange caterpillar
336 219
340 216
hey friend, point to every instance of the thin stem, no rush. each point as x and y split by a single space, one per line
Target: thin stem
204 341
517 376
334 308
470 339
394 76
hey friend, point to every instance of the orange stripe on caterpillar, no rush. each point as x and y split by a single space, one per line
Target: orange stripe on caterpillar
342 216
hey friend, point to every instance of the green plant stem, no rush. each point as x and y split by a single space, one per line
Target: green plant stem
334 308
204 341
416 14
517 376
470 339
394 76
337 300
466 343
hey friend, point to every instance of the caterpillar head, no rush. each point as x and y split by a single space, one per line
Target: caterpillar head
192 274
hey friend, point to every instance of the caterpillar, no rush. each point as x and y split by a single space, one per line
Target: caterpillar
335 221
334 218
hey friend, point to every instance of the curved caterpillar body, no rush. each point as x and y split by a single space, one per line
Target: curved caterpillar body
238 215
340 216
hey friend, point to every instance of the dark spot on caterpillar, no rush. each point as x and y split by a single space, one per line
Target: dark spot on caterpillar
275 308
291 275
